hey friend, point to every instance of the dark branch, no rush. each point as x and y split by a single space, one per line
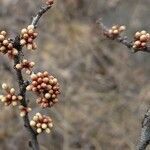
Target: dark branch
144 140
121 39
23 84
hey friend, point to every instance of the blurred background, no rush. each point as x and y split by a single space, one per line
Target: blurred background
105 89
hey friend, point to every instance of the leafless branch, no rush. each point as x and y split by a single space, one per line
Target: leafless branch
23 84
121 39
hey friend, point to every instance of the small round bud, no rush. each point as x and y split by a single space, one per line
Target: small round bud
39 130
4 86
20 97
44 126
12 91
22 114
114 27
116 32
48 130
14 103
15 52
143 38
19 66
122 28
2 37
22 42
137 43
47 95
23 31
3 33
32 123
143 32
30 27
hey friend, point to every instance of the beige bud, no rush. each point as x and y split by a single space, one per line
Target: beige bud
14 97
35 118
29 46
30 27
114 27
110 31
3 99
21 107
134 47
4 86
48 130
47 95
30 31
33 76
50 125
29 88
115 32
2 37
12 90
39 130
122 28
137 43
3 33
15 52
29 109
20 97
22 42
32 64
22 113
19 66
44 126
143 32
23 31
14 103
2 49
38 125
32 123
56 100
143 38
6 42
137 35
28 72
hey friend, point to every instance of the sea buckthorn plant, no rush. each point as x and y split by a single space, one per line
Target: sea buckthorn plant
43 84
140 42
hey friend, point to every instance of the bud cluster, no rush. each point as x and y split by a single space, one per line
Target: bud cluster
50 2
115 31
10 97
46 86
25 64
27 37
24 110
6 47
141 39
41 123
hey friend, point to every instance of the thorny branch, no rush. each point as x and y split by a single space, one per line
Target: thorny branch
23 84
121 39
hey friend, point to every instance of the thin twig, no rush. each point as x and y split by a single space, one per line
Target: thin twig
121 39
33 143
43 10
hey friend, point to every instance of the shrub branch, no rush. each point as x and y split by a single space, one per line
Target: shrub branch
122 39
23 84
